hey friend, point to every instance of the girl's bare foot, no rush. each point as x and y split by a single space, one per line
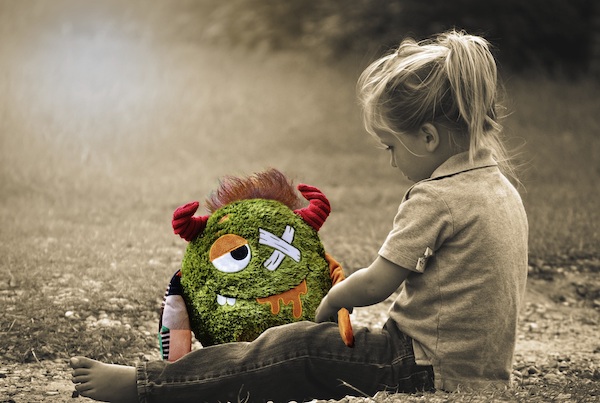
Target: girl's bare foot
104 382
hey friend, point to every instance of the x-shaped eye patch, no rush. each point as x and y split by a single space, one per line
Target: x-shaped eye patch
283 247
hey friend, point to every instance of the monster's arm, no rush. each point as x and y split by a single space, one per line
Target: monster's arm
174 327
337 274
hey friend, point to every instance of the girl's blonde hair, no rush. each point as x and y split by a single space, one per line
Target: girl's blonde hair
450 80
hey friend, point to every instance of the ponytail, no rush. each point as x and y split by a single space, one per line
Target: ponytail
471 71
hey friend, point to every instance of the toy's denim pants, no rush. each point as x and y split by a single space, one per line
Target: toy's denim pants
301 361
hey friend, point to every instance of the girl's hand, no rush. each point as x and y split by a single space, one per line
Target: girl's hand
326 312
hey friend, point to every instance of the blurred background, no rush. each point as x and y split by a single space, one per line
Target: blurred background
552 36
113 113
118 111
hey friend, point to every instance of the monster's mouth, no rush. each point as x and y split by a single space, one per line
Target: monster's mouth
291 296
221 300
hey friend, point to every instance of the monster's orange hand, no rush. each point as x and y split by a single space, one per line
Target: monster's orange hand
337 275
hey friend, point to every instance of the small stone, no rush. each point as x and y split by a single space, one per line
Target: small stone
106 322
531 381
114 301
555 378
517 376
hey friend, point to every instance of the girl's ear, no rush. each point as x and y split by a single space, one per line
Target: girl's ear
429 136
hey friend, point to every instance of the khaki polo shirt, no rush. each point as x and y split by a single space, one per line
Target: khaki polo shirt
463 234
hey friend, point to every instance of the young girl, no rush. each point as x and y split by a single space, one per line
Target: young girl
457 249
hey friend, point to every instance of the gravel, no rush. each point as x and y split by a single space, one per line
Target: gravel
557 355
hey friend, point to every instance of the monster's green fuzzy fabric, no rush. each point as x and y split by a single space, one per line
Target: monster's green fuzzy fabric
202 282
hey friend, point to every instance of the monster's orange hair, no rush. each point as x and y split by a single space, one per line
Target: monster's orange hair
270 184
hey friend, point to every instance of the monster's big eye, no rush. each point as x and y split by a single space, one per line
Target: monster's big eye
230 253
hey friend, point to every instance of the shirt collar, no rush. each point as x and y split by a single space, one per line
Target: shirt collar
460 163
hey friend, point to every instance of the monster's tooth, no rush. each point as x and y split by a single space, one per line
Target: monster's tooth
221 300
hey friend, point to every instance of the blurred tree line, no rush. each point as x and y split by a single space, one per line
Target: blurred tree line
552 35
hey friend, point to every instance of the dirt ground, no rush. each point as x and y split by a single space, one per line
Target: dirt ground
558 343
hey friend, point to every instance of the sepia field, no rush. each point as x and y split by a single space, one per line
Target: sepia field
103 136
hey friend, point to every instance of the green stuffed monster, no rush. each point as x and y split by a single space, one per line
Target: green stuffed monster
255 262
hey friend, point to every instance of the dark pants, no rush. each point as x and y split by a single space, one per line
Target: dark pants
300 361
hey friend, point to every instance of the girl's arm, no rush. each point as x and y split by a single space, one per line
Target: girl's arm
365 287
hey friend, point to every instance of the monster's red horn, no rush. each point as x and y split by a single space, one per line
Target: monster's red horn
185 224
318 208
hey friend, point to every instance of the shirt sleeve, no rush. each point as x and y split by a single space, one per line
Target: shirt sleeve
421 226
